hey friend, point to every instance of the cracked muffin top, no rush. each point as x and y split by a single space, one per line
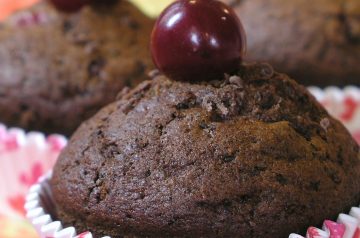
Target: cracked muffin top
250 155
57 70
316 44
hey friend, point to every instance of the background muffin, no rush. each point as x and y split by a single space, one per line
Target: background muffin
317 43
58 70
252 155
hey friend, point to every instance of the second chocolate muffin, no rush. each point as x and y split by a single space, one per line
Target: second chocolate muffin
251 155
58 70
317 42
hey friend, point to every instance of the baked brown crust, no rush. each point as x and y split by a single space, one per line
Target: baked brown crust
253 155
317 44
62 70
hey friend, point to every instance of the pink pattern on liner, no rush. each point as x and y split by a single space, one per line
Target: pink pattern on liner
17 203
336 230
357 233
33 176
312 232
57 143
9 141
350 108
84 235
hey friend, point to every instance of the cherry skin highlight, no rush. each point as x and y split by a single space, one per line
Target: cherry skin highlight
198 40
69 6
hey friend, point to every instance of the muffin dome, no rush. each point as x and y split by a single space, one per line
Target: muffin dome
251 155
58 70
316 44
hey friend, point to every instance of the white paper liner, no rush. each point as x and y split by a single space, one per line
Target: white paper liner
39 205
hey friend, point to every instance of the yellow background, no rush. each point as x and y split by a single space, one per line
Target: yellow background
151 7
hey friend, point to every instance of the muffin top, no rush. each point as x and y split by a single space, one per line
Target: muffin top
57 70
250 155
316 44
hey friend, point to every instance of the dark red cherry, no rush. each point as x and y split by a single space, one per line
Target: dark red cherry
196 40
69 6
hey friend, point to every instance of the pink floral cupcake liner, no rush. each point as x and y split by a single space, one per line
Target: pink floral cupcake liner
346 226
343 105
23 159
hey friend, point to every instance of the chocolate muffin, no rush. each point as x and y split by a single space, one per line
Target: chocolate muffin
317 44
58 70
251 155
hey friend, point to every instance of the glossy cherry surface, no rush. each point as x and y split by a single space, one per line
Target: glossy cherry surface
196 40
69 6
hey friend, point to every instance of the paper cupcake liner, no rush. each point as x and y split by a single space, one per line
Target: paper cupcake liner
346 226
39 209
343 104
23 159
